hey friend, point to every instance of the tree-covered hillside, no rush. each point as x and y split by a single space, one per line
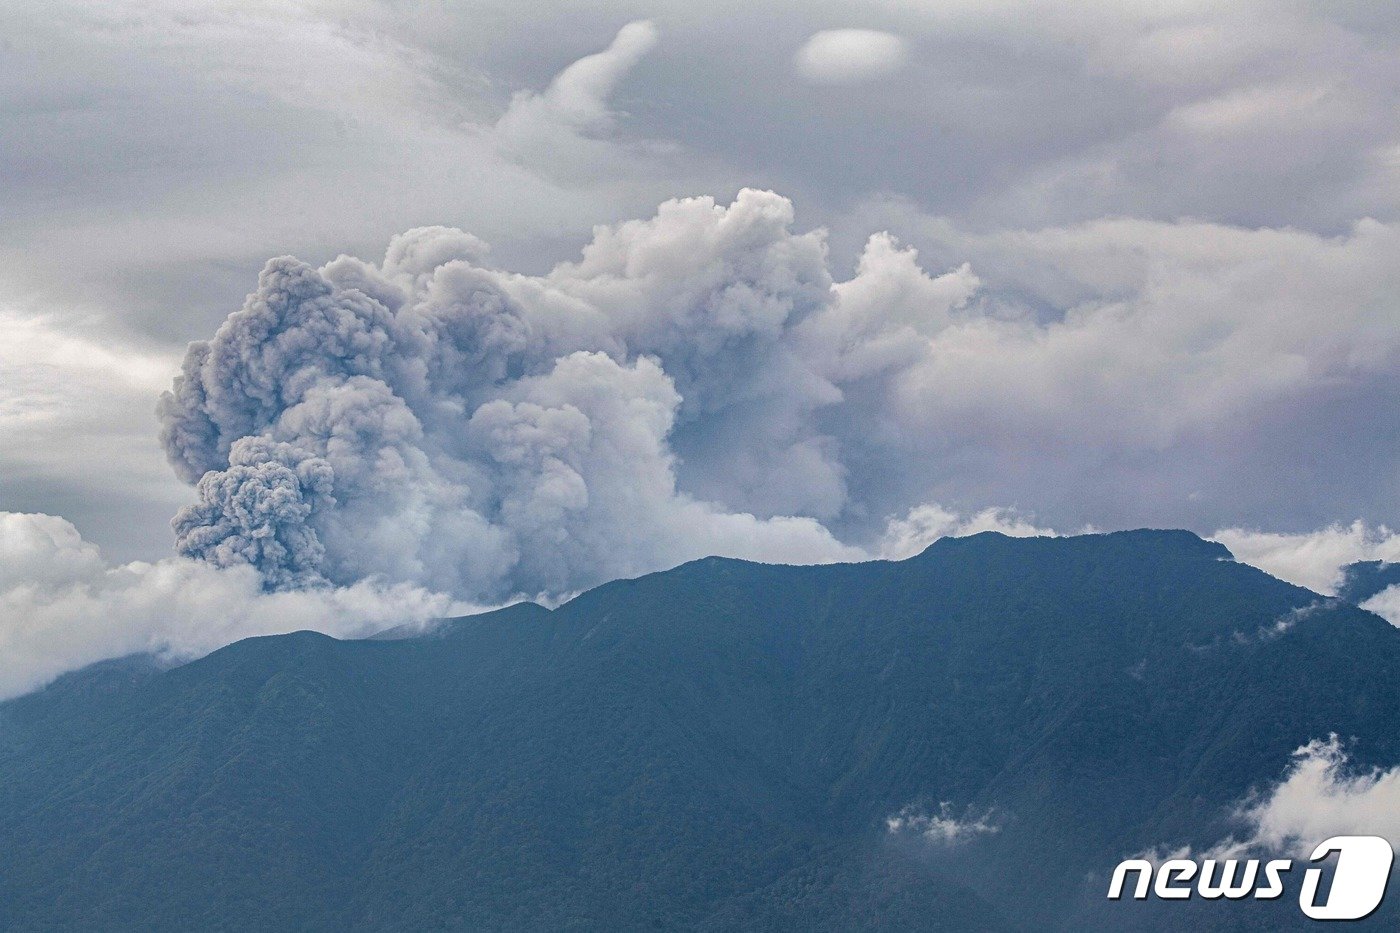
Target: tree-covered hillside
720 746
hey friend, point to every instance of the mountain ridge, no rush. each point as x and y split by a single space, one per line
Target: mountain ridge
718 746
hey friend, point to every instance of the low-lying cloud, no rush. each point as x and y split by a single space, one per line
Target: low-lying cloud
63 606
1322 794
925 524
1317 559
942 826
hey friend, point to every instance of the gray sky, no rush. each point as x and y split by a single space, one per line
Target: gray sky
1200 167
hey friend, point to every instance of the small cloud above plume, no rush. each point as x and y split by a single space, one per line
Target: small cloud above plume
850 56
579 94
563 126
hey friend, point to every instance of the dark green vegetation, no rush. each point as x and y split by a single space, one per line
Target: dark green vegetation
713 747
1366 578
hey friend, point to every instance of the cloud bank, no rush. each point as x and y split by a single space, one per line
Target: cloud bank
1315 560
1322 794
63 606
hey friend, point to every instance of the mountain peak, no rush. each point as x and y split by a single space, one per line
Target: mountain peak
722 745
1162 542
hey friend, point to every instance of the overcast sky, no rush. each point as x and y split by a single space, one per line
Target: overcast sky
1142 268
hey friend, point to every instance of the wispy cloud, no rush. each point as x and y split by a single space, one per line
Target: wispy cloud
942 826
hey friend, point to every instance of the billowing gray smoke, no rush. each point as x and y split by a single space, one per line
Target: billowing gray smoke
434 420
697 383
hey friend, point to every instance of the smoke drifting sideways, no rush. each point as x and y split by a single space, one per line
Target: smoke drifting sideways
437 421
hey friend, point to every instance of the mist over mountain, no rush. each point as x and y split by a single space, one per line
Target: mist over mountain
968 739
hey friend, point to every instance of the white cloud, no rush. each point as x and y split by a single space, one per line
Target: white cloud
1385 604
1320 796
1095 361
579 94
925 524
567 128
62 606
850 56
1215 318
1314 559
942 827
